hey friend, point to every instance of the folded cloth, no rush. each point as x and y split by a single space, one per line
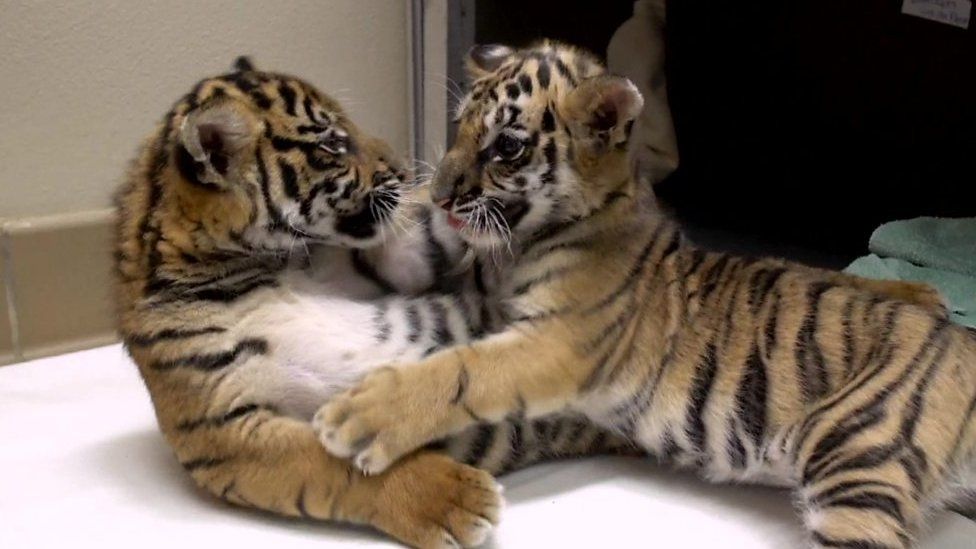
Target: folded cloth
958 289
937 243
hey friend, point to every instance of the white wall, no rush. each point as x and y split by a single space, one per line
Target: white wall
82 82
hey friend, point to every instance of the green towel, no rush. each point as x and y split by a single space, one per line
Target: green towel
933 242
959 290
939 251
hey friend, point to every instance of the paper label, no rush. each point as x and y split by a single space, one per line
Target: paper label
951 12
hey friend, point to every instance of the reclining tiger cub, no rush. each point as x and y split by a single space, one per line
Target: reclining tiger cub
256 246
858 394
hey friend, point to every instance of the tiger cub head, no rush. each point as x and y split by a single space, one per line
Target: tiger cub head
542 139
259 160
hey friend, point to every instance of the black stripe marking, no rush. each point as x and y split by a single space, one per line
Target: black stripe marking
874 407
848 543
517 450
261 100
549 151
513 91
809 358
289 179
697 258
442 333
847 332
602 367
882 503
414 323
289 97
848 486
564 71
307 106
548 121
275 220
761 285
220 421
961 433
203 463
228 293
714 277
300 503
543 74
700 391
751 398
383 326
632 275
770 327
436 253
734 447
839 435
482 443
216 361
169 334
311 128
546 277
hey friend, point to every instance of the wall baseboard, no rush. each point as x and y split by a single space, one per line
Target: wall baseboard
57 284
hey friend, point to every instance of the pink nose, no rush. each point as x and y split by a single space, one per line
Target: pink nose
445 203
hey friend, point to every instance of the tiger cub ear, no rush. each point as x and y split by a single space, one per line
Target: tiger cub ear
601 110
243 64
485 59
214 139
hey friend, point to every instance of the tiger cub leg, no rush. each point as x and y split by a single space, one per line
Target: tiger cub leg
861 508
964 503
858 485
517 443
275 463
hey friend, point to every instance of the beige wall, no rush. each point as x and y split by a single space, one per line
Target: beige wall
82 82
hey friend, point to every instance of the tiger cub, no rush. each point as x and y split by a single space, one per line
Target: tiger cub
251 287
748 370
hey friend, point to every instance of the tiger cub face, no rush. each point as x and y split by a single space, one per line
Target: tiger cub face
542 139
271 160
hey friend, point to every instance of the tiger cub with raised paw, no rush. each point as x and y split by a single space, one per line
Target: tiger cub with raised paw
748 370
250 290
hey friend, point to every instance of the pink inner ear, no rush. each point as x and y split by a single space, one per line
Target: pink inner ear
213 144
210 138
617 100
605 116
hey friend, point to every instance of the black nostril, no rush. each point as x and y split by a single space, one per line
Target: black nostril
446 203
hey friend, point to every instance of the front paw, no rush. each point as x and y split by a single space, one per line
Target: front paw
387 416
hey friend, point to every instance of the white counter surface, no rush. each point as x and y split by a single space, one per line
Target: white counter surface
82 465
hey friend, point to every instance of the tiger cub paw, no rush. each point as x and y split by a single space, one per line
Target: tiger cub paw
390 414
429 500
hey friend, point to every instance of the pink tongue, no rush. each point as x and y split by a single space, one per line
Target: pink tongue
454 222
